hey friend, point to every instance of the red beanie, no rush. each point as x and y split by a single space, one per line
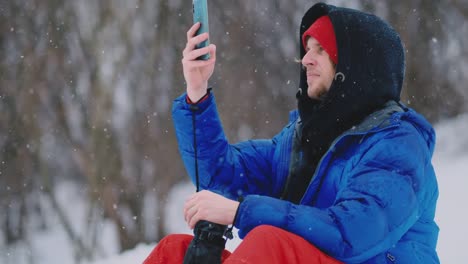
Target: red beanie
322 31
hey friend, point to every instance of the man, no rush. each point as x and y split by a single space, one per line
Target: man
349 179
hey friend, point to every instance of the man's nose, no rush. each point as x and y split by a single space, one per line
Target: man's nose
308 59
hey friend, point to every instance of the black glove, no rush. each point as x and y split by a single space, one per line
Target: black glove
207 245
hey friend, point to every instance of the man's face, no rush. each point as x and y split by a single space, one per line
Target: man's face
319 67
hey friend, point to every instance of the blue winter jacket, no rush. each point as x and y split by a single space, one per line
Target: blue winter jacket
372 198
373 195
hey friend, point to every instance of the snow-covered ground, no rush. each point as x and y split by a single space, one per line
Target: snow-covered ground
450 162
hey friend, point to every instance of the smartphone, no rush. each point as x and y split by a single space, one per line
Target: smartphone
200 14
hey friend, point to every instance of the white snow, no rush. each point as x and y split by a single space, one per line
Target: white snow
450 162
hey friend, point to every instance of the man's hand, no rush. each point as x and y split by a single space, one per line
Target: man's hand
197 72
209 206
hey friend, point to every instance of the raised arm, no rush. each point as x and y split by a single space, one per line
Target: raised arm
229 169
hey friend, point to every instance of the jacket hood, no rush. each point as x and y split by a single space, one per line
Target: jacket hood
370 67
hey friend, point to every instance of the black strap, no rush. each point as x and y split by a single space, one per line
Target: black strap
228 232
194 108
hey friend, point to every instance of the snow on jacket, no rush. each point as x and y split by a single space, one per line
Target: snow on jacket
373 195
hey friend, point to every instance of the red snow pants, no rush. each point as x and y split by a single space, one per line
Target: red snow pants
264 244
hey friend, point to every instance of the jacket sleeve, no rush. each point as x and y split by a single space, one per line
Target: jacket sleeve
377 202
231 170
